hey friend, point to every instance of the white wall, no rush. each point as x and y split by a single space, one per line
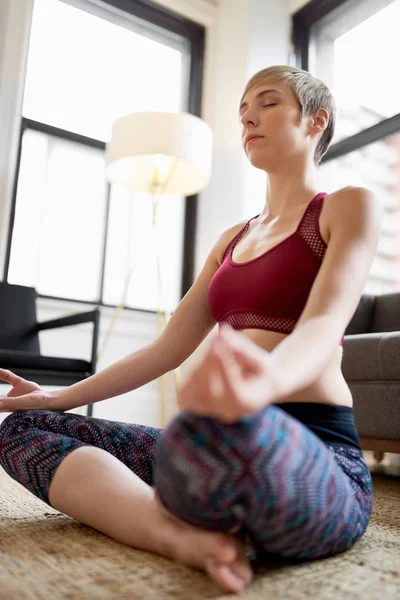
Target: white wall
241 37
268 44
15 22
247 36
295 5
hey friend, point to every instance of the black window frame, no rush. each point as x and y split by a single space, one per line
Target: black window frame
194 33
302 22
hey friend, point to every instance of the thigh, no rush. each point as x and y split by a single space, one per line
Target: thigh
54 434
316 499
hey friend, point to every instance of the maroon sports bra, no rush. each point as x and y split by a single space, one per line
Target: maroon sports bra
270 291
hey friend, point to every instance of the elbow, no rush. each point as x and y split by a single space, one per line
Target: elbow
169 356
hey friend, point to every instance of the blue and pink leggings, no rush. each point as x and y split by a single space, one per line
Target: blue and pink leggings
294 495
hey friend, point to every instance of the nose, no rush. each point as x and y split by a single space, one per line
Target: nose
249 117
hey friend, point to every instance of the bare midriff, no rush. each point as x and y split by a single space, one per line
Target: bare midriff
329 388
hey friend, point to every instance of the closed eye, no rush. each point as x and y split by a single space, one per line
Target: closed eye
269 104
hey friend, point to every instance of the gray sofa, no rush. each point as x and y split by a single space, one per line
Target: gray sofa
371 368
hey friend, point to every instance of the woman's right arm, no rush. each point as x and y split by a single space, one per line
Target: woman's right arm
190 323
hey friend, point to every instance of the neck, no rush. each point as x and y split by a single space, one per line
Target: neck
289 191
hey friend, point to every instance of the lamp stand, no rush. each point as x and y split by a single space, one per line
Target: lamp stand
162 317
162 320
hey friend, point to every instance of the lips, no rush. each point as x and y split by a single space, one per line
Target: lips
252 137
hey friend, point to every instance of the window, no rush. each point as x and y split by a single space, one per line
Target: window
131 218
73 235
377 167
344 48
352 45
59 218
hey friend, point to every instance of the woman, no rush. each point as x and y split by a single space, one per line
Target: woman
266 444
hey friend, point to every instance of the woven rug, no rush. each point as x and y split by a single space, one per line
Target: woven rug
44 554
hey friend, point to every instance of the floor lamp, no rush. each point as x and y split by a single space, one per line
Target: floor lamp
159 153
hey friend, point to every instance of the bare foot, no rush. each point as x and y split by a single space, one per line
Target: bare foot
221 555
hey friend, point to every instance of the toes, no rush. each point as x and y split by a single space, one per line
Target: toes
229 567
242 569
224 576
227 548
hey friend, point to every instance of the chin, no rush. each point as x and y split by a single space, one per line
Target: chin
262 162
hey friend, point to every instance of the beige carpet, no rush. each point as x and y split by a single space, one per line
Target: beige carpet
46 555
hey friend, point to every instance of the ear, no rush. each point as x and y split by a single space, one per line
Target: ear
318 121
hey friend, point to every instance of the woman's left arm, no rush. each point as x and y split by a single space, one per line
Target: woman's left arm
355 218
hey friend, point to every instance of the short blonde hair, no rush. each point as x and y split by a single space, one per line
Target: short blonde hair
311 93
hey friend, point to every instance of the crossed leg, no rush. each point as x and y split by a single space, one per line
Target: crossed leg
101 473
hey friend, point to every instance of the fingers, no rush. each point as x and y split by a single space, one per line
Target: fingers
203 390
241 343
9 377
245 350
191 391
215 386
228 370
220 381
239 356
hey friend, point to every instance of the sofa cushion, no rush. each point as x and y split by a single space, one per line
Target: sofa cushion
386 315
363 317
376 409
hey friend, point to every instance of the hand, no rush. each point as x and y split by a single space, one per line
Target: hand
234 379
27 394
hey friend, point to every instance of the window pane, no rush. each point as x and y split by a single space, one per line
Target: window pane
128 66
83 87
377 167
59 220
344 47
132 249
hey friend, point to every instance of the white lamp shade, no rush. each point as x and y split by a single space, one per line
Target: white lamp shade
182 136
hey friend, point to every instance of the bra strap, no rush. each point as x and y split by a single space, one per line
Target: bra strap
236 238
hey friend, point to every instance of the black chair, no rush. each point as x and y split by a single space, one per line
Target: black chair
19 340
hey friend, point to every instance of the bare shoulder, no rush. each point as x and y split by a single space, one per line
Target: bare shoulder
224 239
348 195
351 204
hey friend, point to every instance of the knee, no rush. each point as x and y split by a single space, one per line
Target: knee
17 423
183 450
191 438
10 432
184 438
19 416
10 420
193 474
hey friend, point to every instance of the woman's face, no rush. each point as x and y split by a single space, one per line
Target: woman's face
271 110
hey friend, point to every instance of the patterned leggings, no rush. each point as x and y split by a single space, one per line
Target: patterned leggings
294 495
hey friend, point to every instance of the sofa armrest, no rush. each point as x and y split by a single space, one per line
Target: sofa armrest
372 357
